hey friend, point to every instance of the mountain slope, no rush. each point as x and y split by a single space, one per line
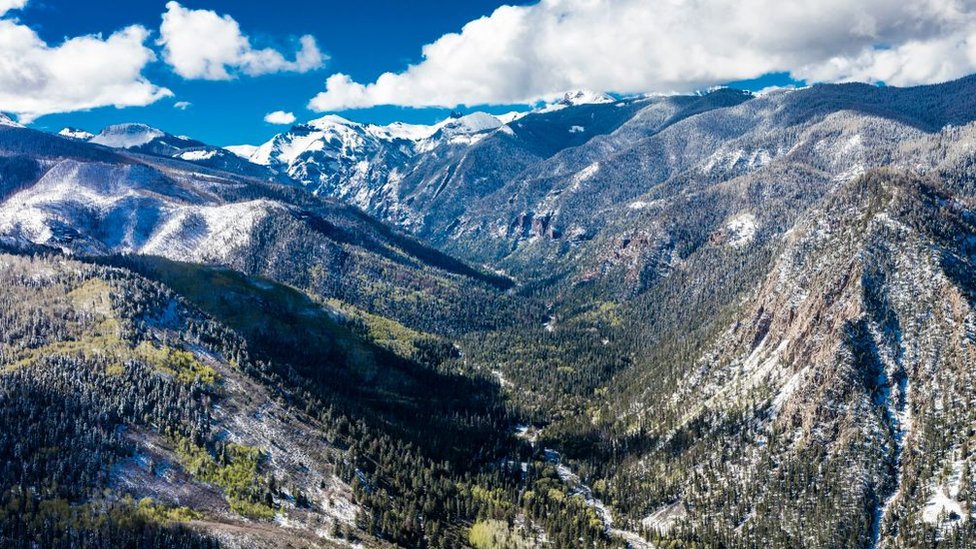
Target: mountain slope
144 139
88 200
161 406
601 190
834 398
738 321
619 203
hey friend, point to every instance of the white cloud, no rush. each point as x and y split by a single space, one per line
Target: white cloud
182 105
527 53
914 62
81 73
279 117
200 44
7 5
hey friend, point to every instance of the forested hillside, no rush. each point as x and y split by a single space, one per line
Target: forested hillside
715 320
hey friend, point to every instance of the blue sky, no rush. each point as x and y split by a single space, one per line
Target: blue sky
234 62
362 38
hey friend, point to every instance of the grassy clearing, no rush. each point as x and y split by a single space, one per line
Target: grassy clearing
180 364
495 534
386 333
100 338
236 471
155 512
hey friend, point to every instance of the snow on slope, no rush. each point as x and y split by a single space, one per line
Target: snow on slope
74 133
99 208
337 137
206 233
7 121
476 122
243 151
510 117
741 230
198 155
586 97
576 98
399 130
127 136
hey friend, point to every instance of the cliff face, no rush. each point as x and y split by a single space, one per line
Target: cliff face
841 387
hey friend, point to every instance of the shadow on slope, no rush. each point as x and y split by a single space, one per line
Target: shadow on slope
312 350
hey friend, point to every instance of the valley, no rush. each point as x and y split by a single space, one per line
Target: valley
724 319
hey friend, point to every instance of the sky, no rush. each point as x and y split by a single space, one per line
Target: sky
233 72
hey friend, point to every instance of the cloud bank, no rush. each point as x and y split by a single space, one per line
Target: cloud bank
82 73
200 44
7 5
528 53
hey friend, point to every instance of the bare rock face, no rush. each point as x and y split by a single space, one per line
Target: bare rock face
837 357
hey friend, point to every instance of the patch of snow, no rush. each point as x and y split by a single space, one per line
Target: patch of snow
550 325
74 133
510 117
665 517
502 381
243 151
941 507
467 139
577 129
584 174
196 156
742 230
786 392
527 433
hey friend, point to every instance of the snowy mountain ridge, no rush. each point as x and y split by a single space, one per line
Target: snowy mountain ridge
127 136
7 121
75 133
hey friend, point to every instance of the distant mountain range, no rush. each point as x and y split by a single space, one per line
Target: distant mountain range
714 320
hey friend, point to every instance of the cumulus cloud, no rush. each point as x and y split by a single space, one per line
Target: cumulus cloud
7 5
81 73
182 105
522 54
279 117
200 44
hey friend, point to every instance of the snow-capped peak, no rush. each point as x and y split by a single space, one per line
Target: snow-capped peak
585 97
7 121
400 130
336 137
126 136
75 133
330 121
577 98
475 122
510 117
243 151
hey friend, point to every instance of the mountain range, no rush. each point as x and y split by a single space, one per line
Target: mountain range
723 319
